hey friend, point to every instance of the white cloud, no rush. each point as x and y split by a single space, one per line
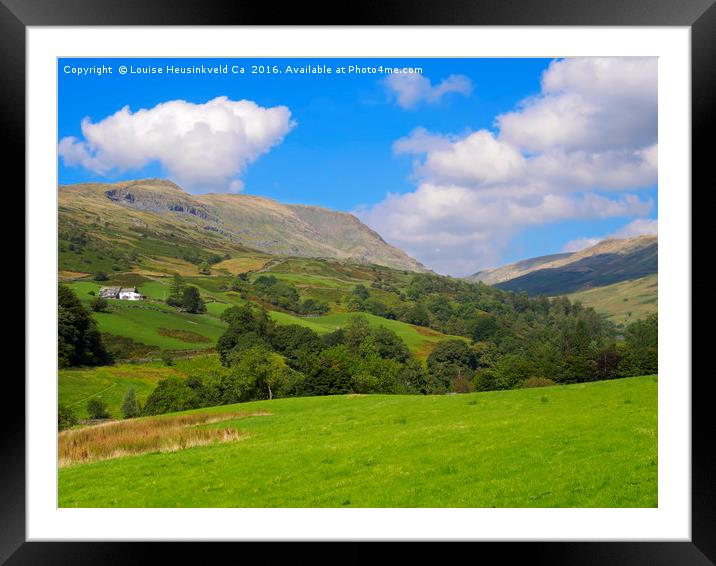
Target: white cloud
551 160
411 89
421 141
588 104
458 230
477 158
638 227
201 146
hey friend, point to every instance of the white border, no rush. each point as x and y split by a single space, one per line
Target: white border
670 521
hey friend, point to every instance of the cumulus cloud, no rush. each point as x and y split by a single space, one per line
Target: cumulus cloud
410 89
201 146
588 104
638 227
550 160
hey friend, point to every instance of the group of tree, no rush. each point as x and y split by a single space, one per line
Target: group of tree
285 295
79 342
262 360
185 297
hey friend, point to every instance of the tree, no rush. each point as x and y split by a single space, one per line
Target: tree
66 417
101 276
413 378
192 301
99 304
390 345
453 352
176 291
79 341
360 292
418 315
170 395
205 268
96 409
130 407
259 374
484 328
641 347
357 330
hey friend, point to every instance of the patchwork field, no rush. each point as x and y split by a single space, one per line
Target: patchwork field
155 324
583 445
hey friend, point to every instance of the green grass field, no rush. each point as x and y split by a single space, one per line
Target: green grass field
153 322
623 302
583 445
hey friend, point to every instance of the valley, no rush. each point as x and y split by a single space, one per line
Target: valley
353 354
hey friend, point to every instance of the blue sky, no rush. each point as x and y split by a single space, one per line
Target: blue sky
334 145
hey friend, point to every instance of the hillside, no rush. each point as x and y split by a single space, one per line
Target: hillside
625 301
524 448
517 269
608 262
154 224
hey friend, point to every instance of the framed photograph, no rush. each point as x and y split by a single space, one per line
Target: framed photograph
399 278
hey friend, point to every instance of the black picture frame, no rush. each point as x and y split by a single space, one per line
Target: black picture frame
699 15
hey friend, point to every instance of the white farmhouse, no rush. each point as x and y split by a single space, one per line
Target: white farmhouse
129 294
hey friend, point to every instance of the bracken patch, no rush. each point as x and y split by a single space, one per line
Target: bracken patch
141 436
183 335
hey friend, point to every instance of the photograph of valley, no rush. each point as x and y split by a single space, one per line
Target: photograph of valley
390 283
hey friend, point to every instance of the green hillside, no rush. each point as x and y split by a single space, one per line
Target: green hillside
582 445
153 323
623 302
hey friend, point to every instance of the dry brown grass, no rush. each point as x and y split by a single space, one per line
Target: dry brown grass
140 436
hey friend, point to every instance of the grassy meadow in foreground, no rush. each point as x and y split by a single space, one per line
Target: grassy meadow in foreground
582 445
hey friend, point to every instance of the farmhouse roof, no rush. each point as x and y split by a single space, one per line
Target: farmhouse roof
110 289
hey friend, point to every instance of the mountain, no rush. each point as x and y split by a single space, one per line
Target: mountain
625 301
609 261
512 270
160 211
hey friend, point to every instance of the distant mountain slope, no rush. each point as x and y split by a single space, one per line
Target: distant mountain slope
608 262
512 270
225 222
623 302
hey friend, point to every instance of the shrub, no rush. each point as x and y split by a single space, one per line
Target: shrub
99 304
171 394
192 301
66 417
79 341
130 407
97 409
167 358
101 276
